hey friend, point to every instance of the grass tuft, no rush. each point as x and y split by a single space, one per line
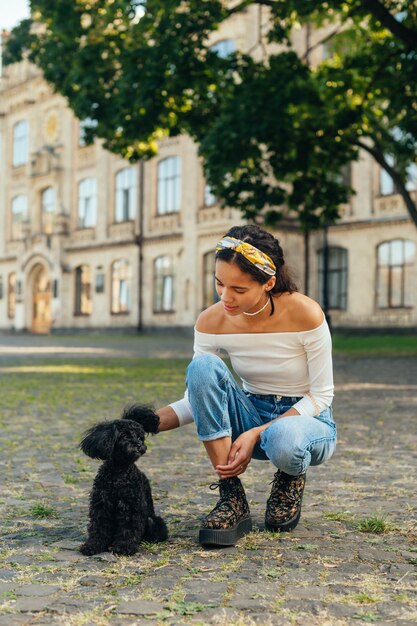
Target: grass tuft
43 511
374 524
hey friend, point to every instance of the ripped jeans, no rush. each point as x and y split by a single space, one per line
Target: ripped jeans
222 409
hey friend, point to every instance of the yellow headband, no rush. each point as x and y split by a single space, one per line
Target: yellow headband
258 258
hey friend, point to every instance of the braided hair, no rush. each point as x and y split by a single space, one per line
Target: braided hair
267 243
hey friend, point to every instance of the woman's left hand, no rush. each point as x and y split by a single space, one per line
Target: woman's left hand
240 454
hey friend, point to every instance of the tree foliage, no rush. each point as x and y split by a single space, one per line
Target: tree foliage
274 133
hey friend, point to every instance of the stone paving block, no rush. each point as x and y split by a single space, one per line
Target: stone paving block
32 604
13 620
65 544
7 574
68 556
92 581
248 604
139 607
305 593
36 590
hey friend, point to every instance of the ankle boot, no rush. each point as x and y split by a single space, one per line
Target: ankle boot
283 508
230 518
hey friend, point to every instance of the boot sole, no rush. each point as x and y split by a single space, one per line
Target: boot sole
284 527
225 536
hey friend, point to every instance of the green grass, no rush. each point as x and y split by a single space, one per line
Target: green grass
99 388
374 524
375 345
43 511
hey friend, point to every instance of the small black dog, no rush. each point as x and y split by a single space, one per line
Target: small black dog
121 506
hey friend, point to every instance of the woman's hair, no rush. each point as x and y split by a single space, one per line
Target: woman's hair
267 243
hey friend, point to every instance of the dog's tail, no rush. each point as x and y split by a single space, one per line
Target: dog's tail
143 415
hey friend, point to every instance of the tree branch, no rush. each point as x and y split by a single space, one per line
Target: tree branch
319 43
379 157
406 35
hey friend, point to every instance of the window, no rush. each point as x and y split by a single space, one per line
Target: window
11 295
83 303
209 197
100 280
87 203
121 300
386 183
411 184
224 48
169 185
395 262
19 215
20 143
85 131
210 295
337 277
163 284
125 201
48 210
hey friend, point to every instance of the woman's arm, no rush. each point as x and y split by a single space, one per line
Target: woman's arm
168 419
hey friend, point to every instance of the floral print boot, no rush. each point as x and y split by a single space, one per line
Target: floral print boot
230 519
283 508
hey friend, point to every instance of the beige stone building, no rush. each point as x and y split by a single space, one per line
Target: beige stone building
89 241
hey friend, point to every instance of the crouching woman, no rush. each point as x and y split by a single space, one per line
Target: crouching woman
279 345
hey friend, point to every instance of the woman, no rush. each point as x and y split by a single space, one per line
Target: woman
279 344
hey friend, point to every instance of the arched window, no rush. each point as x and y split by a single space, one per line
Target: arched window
87 203
121 280
20 143
11 295
169 185
224 48
83 302
395 262
163 284
125 198
337 277
19 215
210 295
48 210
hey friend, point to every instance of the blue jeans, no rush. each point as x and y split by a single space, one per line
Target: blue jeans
222 409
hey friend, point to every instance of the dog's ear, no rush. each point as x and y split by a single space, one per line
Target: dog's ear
98 442
143 415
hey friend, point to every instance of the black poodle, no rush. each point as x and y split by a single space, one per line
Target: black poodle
121 506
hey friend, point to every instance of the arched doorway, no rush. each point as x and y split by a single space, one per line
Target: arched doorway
41 301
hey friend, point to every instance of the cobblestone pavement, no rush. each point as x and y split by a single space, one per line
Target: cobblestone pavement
329 571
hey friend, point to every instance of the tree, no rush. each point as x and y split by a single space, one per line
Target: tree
275 133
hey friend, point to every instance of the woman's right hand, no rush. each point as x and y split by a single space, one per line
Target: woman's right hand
240 454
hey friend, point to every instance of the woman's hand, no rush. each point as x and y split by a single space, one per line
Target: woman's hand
240 454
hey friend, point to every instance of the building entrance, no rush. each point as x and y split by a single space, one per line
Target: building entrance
41 320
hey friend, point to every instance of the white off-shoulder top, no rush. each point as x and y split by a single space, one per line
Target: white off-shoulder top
281 363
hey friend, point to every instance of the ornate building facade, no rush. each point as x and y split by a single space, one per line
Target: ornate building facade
89 241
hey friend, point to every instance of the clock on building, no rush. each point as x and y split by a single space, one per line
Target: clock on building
51 127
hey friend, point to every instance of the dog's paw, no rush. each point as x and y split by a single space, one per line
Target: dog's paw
125 549
89 549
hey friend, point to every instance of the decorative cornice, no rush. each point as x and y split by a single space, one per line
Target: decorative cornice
378 221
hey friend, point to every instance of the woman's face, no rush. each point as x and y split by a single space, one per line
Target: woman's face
238 291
